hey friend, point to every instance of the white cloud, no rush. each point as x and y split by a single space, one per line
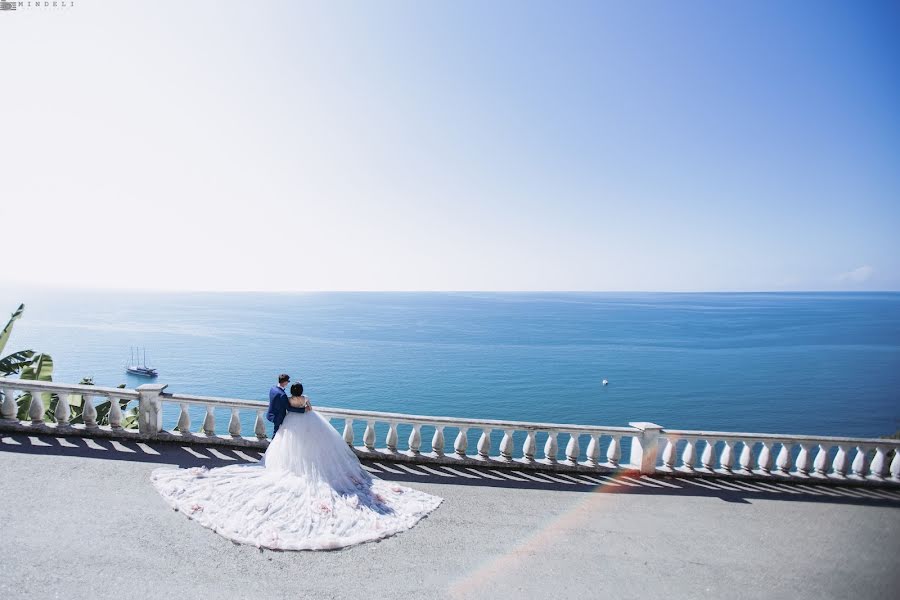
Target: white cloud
858 275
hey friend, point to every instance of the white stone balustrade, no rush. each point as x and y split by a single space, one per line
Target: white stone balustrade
799 457
653 449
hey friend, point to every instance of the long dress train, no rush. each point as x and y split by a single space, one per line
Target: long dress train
309 493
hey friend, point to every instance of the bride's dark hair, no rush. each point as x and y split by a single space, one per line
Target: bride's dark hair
297 389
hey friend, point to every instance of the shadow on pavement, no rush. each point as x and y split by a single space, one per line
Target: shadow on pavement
731 490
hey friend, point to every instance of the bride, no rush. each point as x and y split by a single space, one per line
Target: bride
309 492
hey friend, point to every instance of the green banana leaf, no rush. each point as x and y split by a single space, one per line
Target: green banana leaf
39 369
13 363
4 335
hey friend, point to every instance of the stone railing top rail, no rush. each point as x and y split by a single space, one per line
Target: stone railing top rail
777 437
405 418
68 388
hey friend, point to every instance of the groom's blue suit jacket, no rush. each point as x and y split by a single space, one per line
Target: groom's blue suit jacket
278 406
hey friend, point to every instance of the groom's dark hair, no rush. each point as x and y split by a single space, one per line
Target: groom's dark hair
297 389
284 378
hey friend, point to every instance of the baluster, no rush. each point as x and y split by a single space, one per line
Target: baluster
415 439
462 442
484 444
348 431
876 469
802 463
820 464
437 442
115 414
726 459
668 454
9 408
88 413
614 450
209 421
746 458
62 412
689 456
839 466
573 449
895 465
184 420
36 408
550 448
506 445
593 451
234 425
708 458
783 462
529 447
259 428
391 440
859 463
369 436
765 458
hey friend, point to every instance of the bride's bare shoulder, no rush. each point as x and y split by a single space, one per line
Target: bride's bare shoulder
298 401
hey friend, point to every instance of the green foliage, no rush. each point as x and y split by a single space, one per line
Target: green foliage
4 335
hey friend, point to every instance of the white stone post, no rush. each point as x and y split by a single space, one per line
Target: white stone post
260 426
708 457
783 461
529 447
391 440
9 409
668 455
573 449
462 442
369 436
614 450
36 408
876 469
765 458
551 449
150 408
895 466
62 412
506 445
234 424
593 451
839 465
802 463
88 411
726 459
209 421
645 447
859 463
484 444
415 439
115 414
820 464
689 456
184 420
437 442
348 431
746 458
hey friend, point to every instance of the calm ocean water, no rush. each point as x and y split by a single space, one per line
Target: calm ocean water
826 364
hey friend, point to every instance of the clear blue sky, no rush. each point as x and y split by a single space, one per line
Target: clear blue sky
454 145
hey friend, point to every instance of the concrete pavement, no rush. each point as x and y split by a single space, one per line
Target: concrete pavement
79 519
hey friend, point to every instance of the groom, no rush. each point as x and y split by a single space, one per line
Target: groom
278 401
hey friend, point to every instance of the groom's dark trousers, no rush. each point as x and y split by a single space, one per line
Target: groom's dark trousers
278 403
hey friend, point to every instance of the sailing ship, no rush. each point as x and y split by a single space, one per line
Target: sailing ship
141 369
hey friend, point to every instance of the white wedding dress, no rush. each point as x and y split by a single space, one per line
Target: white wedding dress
309 493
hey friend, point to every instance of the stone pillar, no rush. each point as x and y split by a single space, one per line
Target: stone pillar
150 408
645 447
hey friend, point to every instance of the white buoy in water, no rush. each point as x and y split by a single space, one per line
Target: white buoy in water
606 382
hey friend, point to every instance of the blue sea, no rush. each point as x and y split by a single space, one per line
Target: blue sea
805 363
